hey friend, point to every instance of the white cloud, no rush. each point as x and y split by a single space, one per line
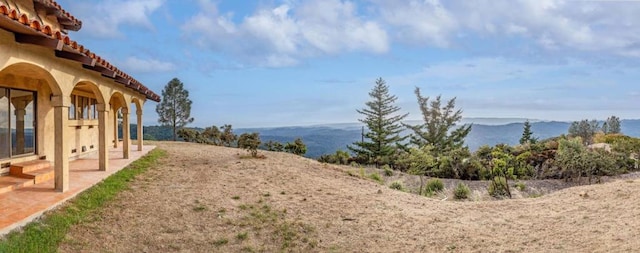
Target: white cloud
608 27
103 19
138 65
285 34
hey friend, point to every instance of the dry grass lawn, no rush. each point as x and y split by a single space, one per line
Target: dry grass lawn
207 199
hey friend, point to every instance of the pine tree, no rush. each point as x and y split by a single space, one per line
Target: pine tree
527 134
380 142
437 123
175 108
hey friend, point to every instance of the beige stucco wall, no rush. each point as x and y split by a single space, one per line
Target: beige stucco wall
36 68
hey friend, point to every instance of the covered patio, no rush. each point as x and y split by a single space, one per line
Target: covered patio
21 206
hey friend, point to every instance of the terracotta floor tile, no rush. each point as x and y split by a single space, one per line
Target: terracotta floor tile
22 205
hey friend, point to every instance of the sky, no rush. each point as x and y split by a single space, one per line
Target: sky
270 63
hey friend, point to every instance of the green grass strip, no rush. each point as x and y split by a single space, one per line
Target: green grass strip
47 234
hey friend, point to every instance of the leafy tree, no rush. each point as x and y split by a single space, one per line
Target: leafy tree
527 134
384 126
190 135
420 162
611 126
227 138
212 134
175 108
501 172
584 129
274 146
454 164
437 124
297 147
250 142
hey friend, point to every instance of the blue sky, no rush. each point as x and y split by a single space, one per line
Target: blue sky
304 62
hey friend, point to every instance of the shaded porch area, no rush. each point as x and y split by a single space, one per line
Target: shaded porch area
22 205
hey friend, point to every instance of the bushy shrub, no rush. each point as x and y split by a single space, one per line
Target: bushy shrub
461 191
375 177
387 170
250 142
397 185
297 147
340 157
498 187
521 186
434 185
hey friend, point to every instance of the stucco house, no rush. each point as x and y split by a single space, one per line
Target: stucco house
58 100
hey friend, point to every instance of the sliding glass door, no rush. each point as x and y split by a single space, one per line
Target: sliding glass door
5 130
17 122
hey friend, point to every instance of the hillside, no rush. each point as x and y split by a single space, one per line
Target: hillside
208 199
326 139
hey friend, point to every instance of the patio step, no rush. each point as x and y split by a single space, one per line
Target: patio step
10 183
22 168
39 170
39 176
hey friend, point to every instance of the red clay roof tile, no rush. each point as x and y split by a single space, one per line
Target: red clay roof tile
47 31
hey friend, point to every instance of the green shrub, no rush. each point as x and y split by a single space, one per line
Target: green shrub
498 187
375 177
434 185
521 186
461 191
387 170
397 185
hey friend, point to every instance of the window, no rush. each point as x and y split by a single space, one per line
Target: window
82 108
72 108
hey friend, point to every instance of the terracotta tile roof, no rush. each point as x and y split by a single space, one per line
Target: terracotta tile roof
67 20
23 25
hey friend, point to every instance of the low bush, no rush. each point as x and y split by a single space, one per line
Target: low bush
375 177
387 170
397 185
461 191
498 187
434 185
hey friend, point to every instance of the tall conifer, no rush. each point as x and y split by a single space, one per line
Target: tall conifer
380 143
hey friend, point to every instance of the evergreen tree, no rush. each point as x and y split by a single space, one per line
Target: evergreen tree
584 129
527 134
437 123
384 126
612 125
175 108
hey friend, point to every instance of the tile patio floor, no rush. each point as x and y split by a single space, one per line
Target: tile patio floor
23 205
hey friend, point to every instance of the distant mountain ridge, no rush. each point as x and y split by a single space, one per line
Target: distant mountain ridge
326 139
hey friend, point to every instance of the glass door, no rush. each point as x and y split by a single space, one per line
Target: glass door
22 122
5 131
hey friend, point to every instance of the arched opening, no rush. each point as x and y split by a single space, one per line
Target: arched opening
83 118
120 120
26 111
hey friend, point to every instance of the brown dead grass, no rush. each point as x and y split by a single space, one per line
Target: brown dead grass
203 198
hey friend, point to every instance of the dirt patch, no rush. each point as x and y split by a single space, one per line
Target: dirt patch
205 199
